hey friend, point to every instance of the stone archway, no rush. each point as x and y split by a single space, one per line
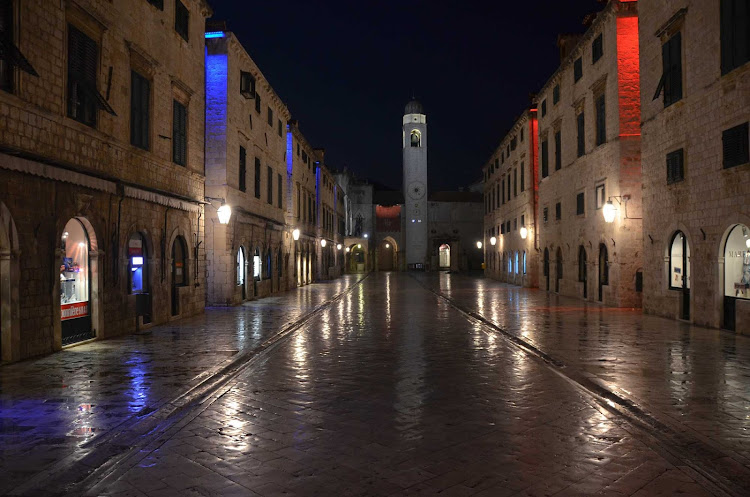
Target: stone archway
10 335
444 256
388 255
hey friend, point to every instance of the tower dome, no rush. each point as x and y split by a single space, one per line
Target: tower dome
413 107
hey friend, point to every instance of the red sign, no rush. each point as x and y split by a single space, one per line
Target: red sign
72 311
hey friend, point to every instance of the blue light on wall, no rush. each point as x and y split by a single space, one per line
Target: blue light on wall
215 34
289 152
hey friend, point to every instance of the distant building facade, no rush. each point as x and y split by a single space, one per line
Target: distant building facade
511 235
696 170
101 169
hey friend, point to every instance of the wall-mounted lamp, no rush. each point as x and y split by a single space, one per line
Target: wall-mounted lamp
359 245
366 235
524 232
224 211
347 250
609 210
323 242
493 241
387 245
338 246
479 245
295 234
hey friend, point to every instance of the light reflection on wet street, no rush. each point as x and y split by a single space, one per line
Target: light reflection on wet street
391 391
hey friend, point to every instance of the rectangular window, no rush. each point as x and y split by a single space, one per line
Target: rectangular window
507 226
257 177
601 126
600 194
508 185
257 102
523 220
159 4
580 120
577 69
556 94
83 57
513 143
515 224
179 133
545 160
247 84
181 19
502 229
281 131
523 183
6 27
243 170
597 49
580 206
544 107
735 146
735 34
269 185
515 182
270 116
545 215
140 94
671 78
497 193
675 166
503 190
558 151
558 211
279 192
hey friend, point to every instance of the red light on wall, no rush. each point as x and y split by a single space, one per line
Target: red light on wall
628 76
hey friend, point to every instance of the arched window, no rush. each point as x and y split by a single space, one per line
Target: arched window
279 265
545 268
510 262
582 263
416 138
737 263
679 262
256 264
516 262
524 258
179 262
240 266
269 264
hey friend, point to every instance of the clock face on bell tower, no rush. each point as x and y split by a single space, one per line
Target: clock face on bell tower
416 190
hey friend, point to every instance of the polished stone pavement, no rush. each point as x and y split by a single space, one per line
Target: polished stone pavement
391 390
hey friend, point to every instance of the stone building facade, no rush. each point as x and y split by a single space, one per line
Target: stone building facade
695 83
589 156
101 169
511 237
246 168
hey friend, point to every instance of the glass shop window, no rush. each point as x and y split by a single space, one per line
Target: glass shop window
137 264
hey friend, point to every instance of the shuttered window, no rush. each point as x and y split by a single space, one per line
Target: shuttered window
269 185
243 170
279 195
580 204
558 211
671 82
735 146
601 121
577 69
83 54
179 133
545 160
257 102
257 177
515 182
140 93
558 151
556 94
735 34
6 33
181 19
581 126
502 183
597 49
675 166
270 116
523 182
281 130
544 107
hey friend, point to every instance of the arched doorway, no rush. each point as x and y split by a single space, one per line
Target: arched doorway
75 283
736 272
545 269
9 322
179 272
558 269
444 256
582 272
603 270
386 255
357 258
679 271
241 271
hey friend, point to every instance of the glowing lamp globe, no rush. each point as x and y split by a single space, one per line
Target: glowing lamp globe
338 246
747 243
609 211
366 235
347 250
323 242
225 212
524 232
479 245
493 241
387 245
295 234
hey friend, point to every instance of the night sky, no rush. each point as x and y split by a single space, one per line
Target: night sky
347 69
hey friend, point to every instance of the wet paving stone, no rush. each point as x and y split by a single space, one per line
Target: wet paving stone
391 391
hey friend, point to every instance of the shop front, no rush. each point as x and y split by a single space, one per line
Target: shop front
736 273
75 284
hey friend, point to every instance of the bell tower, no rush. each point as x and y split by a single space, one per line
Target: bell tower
414 127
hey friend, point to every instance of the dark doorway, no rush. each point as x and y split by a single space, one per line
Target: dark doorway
558 269
603 270
582 273
546 269
179 272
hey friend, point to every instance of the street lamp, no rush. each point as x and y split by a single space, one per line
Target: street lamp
493 241
359 245
479 245
524 232
224 212
338 246
347 250
295 234
387 245
609 210
323 242
366 235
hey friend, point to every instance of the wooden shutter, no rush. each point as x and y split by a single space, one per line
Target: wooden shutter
558 151
581 122
545 158
257 177
735 146
243 170
179 133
